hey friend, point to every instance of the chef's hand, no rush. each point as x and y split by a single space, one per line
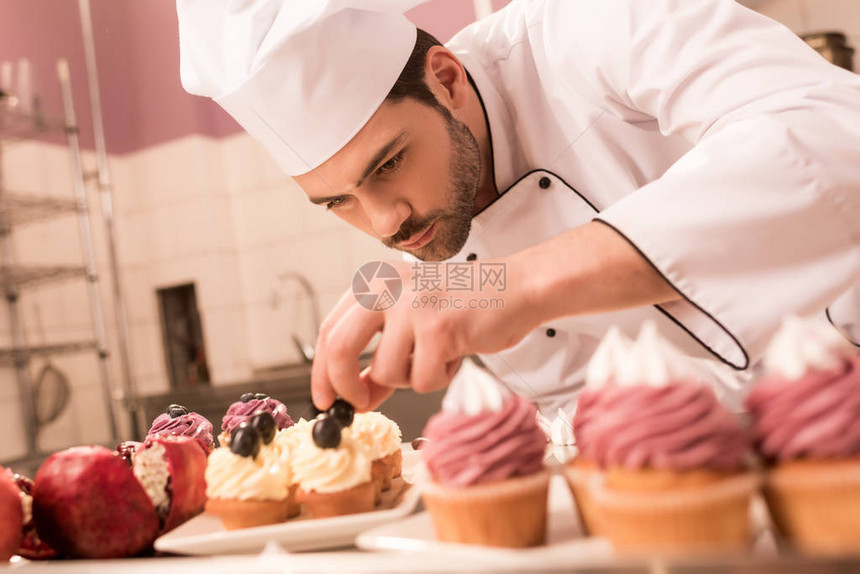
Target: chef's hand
424 335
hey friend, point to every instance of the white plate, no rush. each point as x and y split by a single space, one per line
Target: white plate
565 545
205 535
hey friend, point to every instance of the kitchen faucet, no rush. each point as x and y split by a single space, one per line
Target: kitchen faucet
305 349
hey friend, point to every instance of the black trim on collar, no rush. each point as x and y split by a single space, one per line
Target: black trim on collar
532 172
493 155
838 330
688 300
489 134
651 263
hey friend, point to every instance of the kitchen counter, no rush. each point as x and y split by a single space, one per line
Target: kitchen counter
351 561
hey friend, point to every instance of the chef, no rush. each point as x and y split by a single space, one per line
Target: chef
605 163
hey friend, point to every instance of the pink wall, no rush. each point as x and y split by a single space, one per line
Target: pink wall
138 59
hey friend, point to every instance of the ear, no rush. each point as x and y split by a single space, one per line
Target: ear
446 77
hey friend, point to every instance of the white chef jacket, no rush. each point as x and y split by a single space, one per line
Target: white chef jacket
711 138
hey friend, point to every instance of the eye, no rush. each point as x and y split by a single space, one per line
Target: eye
335 202
392 164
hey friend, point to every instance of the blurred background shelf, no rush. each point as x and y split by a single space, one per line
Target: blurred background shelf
8 355
20 209
17 126
32 275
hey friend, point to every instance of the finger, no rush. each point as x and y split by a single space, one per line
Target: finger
391 361
429 366
378 393
322 393
344 344
452 367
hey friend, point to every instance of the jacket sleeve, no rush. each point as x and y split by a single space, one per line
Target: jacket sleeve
761 218
844 314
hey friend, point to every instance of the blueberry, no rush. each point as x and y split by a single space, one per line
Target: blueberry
246 397
264 422
342 412
261 396
176 411
245 440
326 432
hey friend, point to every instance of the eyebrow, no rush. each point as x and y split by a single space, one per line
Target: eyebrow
372 165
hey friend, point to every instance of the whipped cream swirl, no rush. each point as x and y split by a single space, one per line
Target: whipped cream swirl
330 469
233 477
807 405
473 391
804 345
376 433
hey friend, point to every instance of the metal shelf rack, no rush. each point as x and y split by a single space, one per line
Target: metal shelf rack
21 209
33 275
18 126
18 209
12 356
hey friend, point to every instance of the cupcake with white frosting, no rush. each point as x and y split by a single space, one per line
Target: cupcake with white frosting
332 471
806 417
247 483
380 437
297 434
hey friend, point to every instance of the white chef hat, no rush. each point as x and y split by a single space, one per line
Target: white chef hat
301 76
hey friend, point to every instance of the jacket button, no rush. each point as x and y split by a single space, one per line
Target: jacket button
471 257
550 332
544 183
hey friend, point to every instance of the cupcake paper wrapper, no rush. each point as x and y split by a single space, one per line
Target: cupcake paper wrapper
712 516
395 461
236 514
578 476
378 474
384 470
510 513
360 498
293 507
816 505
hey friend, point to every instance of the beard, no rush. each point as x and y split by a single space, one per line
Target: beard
454 222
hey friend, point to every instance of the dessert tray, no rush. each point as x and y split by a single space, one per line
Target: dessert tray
205 535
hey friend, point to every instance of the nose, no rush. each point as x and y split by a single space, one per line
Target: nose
386 216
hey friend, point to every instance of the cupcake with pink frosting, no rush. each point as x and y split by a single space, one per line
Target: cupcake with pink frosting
673 463
582 469
247 405
806 416
487 483
179 421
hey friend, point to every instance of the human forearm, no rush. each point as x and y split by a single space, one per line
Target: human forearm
587 270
